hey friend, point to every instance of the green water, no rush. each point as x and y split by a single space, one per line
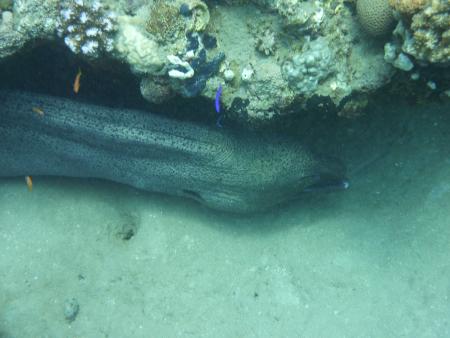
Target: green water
371 261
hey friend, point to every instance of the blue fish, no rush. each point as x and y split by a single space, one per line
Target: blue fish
217 102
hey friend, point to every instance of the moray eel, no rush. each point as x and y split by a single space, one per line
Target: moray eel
223 170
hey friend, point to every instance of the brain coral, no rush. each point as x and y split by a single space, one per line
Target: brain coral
375 16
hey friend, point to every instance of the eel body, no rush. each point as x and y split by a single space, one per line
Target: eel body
223 170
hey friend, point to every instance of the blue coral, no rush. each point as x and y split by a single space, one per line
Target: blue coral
203 69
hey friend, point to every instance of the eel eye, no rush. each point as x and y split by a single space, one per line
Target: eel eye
192 194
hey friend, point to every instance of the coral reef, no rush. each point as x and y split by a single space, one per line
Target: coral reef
86 27
407 6
265 42
193 69
199 15
6 21
35 19
398 59
155 89
301 16
10 41
28 20
165 22
6 5
354 107
313 64
375 16
135 48
247 73
423 36
430 28
321 54
263 105
265 54
169 21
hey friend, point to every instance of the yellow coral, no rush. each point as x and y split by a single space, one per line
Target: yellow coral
408 7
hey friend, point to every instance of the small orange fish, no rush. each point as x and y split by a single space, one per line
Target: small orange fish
76 83
29 183
38 111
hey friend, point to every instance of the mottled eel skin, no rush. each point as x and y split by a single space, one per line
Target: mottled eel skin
223 170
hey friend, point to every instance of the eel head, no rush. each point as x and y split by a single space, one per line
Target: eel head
262 173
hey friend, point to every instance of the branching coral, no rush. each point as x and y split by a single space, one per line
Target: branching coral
407 6
428 36
86 27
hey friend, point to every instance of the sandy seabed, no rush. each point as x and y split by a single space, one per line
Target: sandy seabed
371 261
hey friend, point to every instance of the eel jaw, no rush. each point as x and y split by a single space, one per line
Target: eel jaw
328 183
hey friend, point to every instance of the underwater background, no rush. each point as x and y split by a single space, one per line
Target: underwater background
90 257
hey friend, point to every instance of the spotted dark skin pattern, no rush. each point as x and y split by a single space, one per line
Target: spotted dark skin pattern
224 170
